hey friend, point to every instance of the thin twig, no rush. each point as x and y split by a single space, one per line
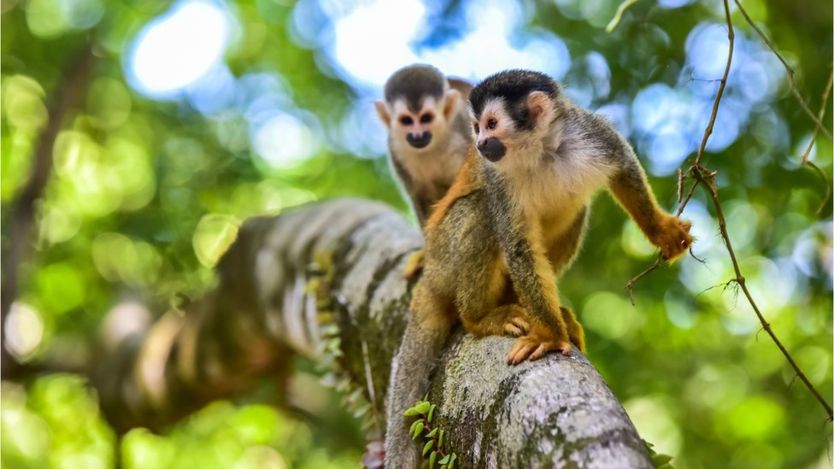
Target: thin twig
701 148
827 185
619 15
731 35
820 116
679 191
788 68
708 181
807 153
630 284
706 178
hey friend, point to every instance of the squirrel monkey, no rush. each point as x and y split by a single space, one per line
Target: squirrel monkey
427 120
511 223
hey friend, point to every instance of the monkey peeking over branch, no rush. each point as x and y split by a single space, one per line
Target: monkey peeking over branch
511 223
427 119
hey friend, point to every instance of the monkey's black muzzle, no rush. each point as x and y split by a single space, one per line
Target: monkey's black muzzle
492 149
419 140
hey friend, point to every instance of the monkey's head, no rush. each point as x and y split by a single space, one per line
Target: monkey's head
513 111
418 106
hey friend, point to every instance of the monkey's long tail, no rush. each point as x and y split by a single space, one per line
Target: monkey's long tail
410 373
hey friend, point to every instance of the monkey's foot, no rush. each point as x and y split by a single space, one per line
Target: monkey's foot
673 237
516 326
531 348
414 264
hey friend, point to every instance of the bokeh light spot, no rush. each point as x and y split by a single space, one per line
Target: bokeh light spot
283 140
213 236
23 103
610 315
652 417
176 49
22 330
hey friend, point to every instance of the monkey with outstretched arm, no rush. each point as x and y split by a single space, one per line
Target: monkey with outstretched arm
511 223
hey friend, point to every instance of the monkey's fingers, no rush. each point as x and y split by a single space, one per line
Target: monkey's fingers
517 326
542 349
674 238
520 351
513 330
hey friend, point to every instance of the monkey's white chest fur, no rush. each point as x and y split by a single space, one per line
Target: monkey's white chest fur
563 183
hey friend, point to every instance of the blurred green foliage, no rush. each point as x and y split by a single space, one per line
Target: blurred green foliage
146 194
56 423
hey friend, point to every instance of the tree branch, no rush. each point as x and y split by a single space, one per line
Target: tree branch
326 281
706 177
16 248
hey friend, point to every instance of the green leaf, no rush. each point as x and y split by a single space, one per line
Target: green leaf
356 396
432 433
361 410
423 407
427 447
445 459
413 426
661 459
432 459
343 385
440 439
411 412
418 429
431 412
452 461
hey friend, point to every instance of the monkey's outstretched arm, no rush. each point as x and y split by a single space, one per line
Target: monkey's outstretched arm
427 329
629 186
532 277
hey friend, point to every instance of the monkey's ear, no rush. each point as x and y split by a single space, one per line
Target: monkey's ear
450 102
383 113
540 106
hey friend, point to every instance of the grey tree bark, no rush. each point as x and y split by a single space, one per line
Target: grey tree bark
326 281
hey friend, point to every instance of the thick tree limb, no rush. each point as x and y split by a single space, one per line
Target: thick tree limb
339 263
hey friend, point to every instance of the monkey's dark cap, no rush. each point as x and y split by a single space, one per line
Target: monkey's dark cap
415 83
512 86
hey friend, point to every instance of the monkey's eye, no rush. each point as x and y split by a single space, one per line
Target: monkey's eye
491 124
426 118
477 127
406 120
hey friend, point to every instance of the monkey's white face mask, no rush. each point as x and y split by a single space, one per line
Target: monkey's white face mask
418 130
500 139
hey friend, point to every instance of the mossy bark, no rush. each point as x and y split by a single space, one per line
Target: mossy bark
326 281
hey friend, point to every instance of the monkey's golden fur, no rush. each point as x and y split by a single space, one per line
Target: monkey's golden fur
509 225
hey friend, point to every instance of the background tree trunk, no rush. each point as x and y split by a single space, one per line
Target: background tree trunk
326 281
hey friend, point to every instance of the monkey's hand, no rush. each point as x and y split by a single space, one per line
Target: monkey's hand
507 319
535 345
414 264
672 237
516 326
